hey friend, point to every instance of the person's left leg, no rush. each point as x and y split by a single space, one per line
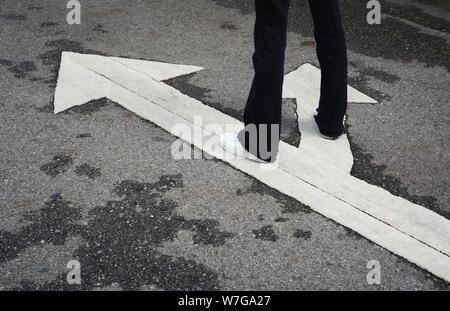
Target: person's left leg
263 109
332 55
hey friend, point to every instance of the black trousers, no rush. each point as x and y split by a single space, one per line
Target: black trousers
263 106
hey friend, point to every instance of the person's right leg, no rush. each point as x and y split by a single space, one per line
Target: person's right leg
332 55
263 108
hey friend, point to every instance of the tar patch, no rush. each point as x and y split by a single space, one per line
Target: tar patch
266 233
87 170
59 165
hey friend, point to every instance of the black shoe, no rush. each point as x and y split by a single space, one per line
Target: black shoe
327 135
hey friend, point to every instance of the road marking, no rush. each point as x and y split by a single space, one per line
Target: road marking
306 174
422 29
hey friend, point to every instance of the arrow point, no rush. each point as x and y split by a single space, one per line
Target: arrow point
356 97
76 84
305 80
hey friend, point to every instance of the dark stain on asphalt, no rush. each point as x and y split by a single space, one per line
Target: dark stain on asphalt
365 169
20 70
59 165
123 237
352 234
361 82
183 85
160 139
35 8
10 245
206 232
53 56
362 77
136 57
5 62
228 25
99 28
380 75
281 219
163 224
266 233
90 107
48 24
52 224
14 17
303 234
47 108
84 135
289 205
89 171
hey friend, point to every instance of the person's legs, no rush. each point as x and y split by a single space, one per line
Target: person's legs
264 102
332 54
263 106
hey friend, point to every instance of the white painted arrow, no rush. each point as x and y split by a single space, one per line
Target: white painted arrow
306 174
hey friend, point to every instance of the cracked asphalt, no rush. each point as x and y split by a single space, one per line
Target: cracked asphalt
98 184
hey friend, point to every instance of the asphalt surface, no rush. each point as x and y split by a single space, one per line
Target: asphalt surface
98 184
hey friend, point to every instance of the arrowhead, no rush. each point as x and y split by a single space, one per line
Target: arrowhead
305 81
303 84
76 85
83 77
